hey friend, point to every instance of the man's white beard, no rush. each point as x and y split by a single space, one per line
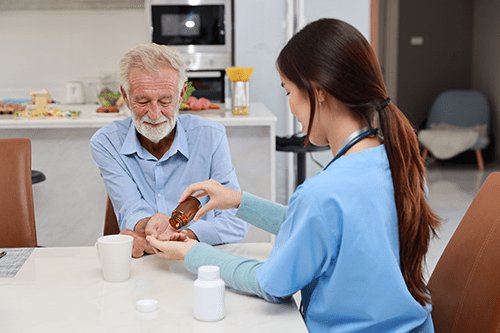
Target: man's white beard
156 133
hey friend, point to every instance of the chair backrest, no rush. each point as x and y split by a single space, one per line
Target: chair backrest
465 285
17 213
110 222
464 108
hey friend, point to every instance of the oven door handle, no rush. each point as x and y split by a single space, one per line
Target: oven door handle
202 74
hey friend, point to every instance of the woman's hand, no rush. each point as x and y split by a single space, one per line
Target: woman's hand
171 250
221 197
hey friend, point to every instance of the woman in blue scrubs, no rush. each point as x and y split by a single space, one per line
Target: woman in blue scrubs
353 238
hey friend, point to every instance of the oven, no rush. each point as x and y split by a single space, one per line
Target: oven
202 30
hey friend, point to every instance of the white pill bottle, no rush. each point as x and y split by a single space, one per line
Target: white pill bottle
209 294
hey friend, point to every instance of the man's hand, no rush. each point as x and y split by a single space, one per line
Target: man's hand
159 224
159 227
171 250
141 245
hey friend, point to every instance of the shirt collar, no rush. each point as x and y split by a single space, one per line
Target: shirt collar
132 145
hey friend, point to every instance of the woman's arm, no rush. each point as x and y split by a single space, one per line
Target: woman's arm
238 272
262 213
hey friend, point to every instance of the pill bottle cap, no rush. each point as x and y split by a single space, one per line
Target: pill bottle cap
146 305
209 272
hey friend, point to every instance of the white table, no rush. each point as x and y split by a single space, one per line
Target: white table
70 203
62 290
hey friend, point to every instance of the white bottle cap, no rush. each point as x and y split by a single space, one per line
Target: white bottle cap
209 272
146 305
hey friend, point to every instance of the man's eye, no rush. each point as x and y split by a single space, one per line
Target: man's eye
287 94
165 102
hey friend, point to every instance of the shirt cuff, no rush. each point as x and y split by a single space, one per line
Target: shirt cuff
205 231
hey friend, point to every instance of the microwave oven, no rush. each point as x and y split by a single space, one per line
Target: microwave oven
202 30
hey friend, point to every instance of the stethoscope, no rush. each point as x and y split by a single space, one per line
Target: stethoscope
352 139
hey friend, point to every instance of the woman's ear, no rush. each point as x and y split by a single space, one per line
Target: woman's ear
320 94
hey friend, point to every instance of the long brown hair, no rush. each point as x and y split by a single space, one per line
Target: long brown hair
338 59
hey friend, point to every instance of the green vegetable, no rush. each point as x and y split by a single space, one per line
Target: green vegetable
72 113
189 91
109 99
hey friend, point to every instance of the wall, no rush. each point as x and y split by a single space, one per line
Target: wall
444 61
356 13
46 49
486 66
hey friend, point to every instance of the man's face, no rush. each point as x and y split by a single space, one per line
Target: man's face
154 101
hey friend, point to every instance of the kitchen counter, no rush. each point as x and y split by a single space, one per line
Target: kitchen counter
73 197
87 119
259 115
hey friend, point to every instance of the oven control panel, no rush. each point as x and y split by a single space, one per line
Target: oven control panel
207 61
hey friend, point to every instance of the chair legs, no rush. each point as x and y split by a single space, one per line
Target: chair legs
479 158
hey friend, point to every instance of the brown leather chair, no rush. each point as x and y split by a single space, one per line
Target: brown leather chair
17 213
465 285
110 222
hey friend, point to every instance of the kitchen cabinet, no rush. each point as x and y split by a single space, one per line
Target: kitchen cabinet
70 204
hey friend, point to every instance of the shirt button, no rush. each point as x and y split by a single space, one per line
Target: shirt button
158 164
159 195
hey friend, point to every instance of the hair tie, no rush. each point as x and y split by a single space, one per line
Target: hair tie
385 103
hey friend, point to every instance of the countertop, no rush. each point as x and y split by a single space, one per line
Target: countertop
258 115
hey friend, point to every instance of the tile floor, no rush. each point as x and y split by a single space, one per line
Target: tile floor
451 190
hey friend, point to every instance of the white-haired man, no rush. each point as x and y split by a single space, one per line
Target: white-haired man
149 159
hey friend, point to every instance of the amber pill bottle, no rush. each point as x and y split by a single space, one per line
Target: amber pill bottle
184 213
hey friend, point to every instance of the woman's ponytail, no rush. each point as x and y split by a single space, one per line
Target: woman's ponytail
416 219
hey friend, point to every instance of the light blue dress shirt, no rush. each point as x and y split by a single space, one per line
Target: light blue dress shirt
139 185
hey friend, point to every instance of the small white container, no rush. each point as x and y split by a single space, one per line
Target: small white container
209 295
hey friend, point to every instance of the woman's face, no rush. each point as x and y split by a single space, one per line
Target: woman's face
298 101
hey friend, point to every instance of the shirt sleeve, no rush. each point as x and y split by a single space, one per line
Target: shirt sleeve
238 273
262 213
128 203
224 227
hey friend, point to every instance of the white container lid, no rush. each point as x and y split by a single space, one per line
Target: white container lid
146 305
209 272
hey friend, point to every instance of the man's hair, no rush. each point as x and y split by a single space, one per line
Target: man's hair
152 58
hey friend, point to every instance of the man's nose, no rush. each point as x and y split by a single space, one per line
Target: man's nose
154 111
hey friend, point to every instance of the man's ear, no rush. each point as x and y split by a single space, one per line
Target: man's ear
183 92
125 97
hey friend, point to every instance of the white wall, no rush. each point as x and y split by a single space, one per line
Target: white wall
356 13
46 49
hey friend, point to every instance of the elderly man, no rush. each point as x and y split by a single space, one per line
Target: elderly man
149 159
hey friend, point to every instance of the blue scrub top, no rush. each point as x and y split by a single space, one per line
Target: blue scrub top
339 246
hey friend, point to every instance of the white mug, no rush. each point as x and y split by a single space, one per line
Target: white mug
115 254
